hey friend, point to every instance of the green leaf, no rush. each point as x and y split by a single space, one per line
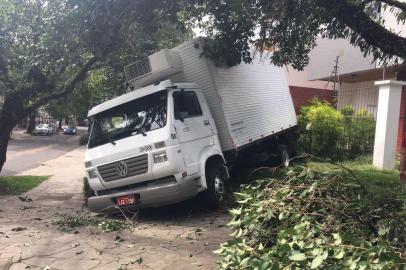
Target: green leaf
317 261
236 211
299 227
337 238
340 254
284 248
244 261
297 257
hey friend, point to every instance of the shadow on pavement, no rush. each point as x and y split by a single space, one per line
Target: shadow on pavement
191 209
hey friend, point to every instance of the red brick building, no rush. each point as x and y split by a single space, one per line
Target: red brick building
302 96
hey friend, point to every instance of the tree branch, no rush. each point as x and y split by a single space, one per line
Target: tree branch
373 33
395 3
67 88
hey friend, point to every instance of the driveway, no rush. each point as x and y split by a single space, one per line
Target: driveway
25 151
176 237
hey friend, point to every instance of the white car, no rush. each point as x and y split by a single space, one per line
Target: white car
43 129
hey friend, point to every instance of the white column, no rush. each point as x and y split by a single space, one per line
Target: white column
387 123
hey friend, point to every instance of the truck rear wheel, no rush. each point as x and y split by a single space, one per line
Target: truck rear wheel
213 196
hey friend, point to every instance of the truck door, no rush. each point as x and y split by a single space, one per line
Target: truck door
193 127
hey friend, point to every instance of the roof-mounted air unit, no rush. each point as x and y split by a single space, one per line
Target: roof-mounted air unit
154 68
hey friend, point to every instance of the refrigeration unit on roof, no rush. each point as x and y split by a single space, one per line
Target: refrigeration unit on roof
154 68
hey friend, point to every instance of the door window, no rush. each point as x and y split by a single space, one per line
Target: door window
186 105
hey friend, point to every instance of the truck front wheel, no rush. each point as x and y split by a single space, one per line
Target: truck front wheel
87 191
213 196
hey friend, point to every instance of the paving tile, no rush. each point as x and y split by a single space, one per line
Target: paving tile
161 242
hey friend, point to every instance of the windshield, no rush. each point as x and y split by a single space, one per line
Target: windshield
135 117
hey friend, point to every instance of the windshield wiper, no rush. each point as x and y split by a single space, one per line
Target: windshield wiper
139 131
111 141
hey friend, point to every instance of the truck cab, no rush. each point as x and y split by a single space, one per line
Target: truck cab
154 146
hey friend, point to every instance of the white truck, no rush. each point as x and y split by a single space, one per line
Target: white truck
181 126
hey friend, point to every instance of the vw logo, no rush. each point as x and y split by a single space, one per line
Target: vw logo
122 168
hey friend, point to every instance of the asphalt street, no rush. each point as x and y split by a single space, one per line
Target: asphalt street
25 152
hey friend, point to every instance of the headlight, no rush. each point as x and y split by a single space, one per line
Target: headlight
92 174
160 157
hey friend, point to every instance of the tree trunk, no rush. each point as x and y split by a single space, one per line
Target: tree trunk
11 113
60 124
4 138
31 122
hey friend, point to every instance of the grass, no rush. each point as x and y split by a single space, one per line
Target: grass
378 182
16 185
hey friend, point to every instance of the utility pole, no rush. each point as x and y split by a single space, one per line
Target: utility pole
334 75
402 77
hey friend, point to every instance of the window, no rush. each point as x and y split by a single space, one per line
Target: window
186 105
138 116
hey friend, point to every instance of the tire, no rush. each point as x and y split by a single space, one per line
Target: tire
283 155
87 191
213 196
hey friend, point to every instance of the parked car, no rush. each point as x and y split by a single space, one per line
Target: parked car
70 131
43 129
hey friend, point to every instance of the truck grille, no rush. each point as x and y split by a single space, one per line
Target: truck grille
124 168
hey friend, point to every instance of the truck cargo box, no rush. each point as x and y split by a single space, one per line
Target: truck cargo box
249 102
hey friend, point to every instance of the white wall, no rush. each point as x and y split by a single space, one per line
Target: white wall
300 78
362 95
391 23
323 56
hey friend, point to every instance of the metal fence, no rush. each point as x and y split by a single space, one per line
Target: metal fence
360 96
358 104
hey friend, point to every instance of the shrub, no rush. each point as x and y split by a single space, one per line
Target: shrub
320 129
363 128
359 131
311 220
84 138
326 132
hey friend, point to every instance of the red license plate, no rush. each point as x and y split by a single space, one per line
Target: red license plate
126 200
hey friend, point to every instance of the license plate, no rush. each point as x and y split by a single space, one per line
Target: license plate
126 200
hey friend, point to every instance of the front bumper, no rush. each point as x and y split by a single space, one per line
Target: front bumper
41 132
158 193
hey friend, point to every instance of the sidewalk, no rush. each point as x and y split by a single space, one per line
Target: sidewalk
17 134
167 239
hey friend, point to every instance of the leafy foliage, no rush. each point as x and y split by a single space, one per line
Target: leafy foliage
326 132
315 220
291 27
359 131
320 129
48 48
68 223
